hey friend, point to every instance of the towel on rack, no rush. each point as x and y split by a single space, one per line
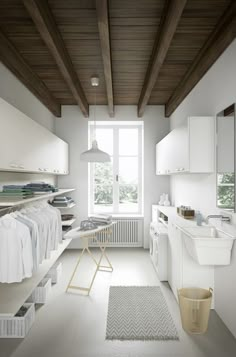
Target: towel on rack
101 218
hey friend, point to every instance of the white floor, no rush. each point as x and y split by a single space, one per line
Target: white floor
71 325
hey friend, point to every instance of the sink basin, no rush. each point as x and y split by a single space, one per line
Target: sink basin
208 245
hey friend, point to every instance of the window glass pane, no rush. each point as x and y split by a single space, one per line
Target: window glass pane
103 173
103 198
225 190
128 198
128 170
227 178
225 197
128 142
104 138
110 193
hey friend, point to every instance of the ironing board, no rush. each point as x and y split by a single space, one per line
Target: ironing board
85 236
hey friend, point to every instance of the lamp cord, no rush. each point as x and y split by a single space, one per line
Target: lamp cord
95 101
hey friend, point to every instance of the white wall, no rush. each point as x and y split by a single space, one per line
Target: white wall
73 128
15 93
216 91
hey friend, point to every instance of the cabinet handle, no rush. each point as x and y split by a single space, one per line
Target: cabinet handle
177 169
21 167
40 169
13 165
45 169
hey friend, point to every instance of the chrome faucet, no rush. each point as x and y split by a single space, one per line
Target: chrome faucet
221 216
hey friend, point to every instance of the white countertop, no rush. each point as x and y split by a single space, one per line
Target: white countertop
171 213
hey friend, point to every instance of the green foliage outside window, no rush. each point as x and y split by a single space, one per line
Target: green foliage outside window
103 193
225 190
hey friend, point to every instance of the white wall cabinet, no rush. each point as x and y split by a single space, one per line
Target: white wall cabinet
188 148
26 146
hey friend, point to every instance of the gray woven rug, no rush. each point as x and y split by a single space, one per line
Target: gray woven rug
139 313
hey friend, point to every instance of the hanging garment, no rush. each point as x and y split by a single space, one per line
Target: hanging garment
34 233
16 262
27 237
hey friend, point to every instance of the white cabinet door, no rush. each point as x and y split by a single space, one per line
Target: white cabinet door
202 144
160 168
15 143
188 148
164 159
180 150
174 258
27 146
62 156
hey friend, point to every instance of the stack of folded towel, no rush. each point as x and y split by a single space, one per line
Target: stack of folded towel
15 193
62 201
101 219
40 188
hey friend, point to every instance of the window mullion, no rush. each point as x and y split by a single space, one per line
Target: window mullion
116 171
140 171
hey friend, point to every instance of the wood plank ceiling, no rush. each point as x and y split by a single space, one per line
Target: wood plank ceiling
125 42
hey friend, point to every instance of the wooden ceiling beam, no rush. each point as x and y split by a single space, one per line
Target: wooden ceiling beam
13 60
221 37
104 34
46 25
162 44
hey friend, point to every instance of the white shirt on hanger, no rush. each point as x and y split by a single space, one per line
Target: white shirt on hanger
16 261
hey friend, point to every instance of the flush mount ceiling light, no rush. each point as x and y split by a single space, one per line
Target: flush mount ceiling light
94 154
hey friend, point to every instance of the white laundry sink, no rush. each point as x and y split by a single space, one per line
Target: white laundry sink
208 245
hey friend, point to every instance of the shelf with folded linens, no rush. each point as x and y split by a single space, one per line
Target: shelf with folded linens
45 196
63 202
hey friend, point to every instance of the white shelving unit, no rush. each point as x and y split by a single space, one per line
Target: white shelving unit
165 223
13 296
69 222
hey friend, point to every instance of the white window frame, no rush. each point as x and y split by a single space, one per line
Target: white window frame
116 126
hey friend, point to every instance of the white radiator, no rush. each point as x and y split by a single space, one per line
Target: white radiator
127 232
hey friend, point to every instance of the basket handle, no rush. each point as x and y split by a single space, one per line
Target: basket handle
211 290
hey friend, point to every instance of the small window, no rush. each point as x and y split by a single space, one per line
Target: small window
116 187
225 190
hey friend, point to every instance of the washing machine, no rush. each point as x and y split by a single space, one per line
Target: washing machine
158 248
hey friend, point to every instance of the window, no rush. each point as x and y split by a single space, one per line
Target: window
225 190
116 187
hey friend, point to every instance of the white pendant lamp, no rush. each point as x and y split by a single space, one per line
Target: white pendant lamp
94 154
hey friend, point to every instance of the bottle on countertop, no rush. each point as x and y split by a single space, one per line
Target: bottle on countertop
199 218
166 202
